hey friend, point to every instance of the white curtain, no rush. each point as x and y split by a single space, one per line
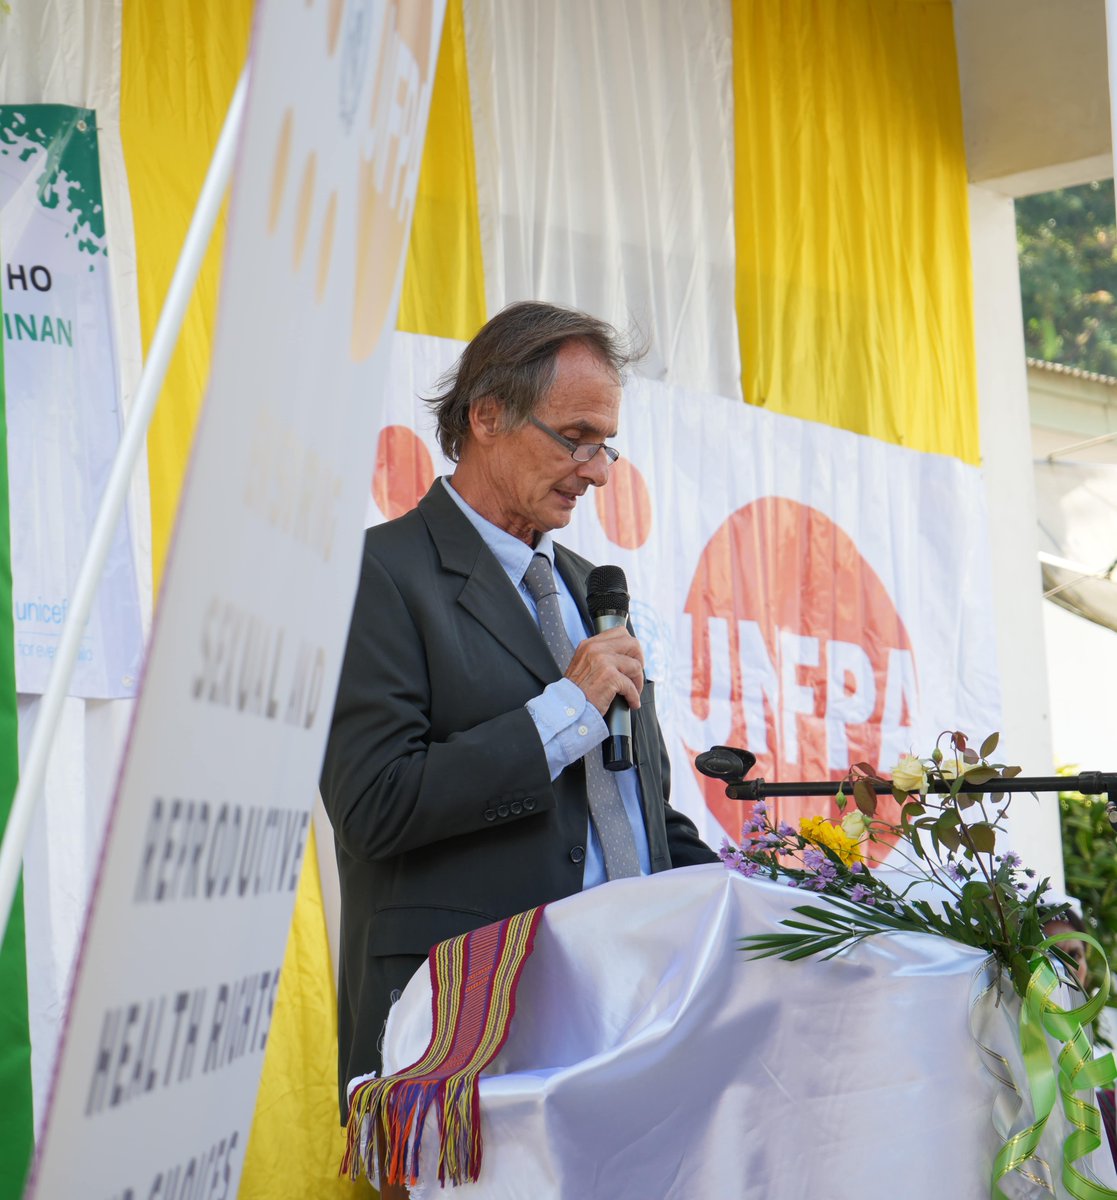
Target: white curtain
618 195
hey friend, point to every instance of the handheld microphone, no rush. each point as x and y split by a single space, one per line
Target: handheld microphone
607 600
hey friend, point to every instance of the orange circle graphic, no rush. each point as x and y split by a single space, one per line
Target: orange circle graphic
624 507
814 647
403 471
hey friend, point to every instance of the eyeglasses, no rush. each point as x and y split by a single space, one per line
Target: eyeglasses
582 452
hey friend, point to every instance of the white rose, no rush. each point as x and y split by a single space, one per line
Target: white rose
908 774
951 768
855 825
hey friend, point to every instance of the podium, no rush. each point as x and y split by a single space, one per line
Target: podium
650 1058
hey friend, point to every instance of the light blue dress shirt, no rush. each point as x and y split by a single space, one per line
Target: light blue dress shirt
569 726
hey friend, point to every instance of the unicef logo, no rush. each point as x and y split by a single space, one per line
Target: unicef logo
654 636
354 58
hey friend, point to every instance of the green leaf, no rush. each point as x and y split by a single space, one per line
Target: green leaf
950 837
983 837
817 947
990 744
979 775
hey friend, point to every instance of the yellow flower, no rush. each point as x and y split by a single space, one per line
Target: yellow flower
951 768
825 833
908 774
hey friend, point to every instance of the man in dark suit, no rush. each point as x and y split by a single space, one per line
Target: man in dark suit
463 763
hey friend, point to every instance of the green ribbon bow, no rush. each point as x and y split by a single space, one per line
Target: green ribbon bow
1078 1071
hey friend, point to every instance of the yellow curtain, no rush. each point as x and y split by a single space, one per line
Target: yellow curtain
180 61
444 279
854 301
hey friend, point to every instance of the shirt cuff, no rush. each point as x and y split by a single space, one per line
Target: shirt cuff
568 724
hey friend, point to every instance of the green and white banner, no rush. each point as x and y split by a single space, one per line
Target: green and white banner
62 397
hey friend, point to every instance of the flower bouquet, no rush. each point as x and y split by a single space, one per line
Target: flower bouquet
944 876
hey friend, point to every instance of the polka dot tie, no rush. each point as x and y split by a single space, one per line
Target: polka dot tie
605 804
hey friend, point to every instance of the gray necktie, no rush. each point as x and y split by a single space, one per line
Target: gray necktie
606 807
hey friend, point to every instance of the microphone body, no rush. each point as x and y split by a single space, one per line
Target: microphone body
607 599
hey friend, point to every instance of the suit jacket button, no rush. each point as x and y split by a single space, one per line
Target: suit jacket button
489 814
516 807
502 811
529 803
577 854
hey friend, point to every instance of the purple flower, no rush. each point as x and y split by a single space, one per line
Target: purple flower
759 809
813 860
771 840
726 849
955 872
862 895
745 866
856 868
785 830
1012 860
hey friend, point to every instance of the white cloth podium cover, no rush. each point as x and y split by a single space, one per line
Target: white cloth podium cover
650 1059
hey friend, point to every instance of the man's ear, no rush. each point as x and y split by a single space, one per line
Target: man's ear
486 418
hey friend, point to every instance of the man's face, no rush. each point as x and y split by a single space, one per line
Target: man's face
534 483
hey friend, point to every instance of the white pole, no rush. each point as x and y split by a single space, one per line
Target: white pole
1111 45
132 443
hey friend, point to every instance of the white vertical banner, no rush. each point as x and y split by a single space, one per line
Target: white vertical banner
156 1081
62 397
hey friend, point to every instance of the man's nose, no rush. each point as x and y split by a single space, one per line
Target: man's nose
596 471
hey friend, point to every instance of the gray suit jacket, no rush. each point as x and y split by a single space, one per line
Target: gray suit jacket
435 779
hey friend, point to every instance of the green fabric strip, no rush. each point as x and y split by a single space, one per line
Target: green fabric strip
1079 1074
17 1121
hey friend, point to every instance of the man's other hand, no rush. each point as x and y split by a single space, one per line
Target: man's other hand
606 665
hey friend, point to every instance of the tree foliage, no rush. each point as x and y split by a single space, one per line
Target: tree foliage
1090 863
1067 244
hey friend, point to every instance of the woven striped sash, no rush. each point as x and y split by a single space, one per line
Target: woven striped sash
473 978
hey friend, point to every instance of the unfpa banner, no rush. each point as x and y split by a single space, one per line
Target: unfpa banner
179 968
61 393
813 595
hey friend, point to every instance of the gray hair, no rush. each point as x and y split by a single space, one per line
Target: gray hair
512 359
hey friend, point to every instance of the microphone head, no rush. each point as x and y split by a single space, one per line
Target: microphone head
606 591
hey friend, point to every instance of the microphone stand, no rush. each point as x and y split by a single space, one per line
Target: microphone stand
731 765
